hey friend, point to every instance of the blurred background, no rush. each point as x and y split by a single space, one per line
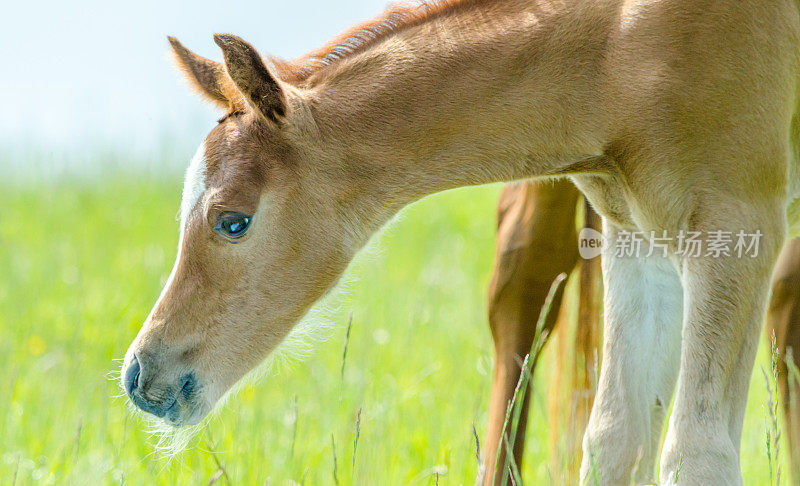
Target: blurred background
89 77
96 128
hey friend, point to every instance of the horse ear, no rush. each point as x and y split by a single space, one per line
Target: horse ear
251 76
207 77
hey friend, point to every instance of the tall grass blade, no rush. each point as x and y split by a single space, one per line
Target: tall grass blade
333 449
477 444
294 431
793 381
78 438
355 440
773 431
221 472
16 470
678 469
516 478
514 411
344 351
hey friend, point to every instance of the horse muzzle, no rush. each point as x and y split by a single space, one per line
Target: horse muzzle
174 396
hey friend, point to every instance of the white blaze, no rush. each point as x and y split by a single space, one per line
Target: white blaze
194 186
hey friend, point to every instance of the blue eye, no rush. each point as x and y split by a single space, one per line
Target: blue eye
233 225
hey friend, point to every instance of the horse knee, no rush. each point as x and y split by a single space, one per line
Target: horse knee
612 453
533 248
514 308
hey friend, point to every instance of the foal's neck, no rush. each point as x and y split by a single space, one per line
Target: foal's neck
487 93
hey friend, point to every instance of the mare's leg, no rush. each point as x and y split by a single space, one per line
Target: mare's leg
641 353
783 318
536 241
725 302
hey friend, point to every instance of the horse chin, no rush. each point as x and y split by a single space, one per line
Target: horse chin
187 415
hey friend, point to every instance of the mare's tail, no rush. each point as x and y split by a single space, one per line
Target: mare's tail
577 357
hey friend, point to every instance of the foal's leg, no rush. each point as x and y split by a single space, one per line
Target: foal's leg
725 301
641 353
536 241
783 318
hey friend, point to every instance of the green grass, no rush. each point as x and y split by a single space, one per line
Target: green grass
83 261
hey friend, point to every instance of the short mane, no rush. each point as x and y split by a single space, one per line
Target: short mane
394 19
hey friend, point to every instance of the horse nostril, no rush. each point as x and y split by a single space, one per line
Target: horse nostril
132 376
188 386
158 393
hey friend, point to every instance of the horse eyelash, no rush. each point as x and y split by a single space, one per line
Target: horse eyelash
228 115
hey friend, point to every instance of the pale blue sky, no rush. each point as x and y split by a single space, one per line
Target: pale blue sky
91 73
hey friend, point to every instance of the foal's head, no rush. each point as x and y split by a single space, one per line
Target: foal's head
262 237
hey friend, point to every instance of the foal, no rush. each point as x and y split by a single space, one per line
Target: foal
672 117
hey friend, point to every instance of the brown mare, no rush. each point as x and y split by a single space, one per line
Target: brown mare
677 119
536 241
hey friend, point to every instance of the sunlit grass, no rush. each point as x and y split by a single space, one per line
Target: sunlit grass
83 261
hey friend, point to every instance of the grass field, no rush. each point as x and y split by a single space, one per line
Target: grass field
83 261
